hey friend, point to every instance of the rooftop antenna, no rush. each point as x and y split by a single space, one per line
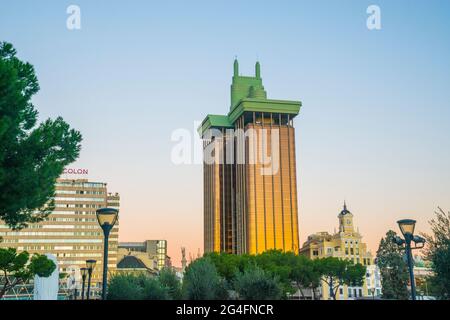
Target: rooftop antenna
236 67
257 70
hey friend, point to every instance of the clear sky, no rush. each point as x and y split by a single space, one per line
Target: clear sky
374 128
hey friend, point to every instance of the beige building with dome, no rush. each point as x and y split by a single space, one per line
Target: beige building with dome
344 244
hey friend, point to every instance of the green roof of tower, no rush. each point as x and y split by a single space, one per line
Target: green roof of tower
248 94
214 121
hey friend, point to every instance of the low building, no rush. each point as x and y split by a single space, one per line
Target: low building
373 281
131 264
71 232
152 253
345 244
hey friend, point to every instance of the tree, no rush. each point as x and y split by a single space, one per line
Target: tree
136 287
287 267
227 264
170 281
31 157
18 268
332 271
153 288
256 284
202 282
124 287
354 275
393 268
337 272
306 274
438 252
279 264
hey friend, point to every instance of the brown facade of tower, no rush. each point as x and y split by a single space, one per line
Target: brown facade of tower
250 186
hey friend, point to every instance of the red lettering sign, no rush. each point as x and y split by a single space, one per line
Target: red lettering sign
75 171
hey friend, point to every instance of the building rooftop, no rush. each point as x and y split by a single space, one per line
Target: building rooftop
131 262
248 94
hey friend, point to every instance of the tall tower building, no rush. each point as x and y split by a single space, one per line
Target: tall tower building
250 186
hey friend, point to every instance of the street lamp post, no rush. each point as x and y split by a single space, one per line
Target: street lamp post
106 218
407 227
84 272
90 265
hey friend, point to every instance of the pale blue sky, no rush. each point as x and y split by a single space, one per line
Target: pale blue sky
374 128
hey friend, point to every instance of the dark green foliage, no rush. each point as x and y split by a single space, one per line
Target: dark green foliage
153 289
20 268
280 265
289 268
125 287
306 273
337 272
393 268
256 284
228 264
441 268
31 157
41 265
274 262
354 275
202 282
270 275
169 280
438 252
136 287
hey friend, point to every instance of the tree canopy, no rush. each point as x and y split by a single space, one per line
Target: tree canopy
18 268
337 272
256 284
291 271
393 268
202 282
32 156
438 252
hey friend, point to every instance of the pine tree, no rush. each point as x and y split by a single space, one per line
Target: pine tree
393 268
438 252
32 156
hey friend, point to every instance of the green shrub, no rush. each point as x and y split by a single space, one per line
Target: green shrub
202 282
125 287
153 289
168 279
256 284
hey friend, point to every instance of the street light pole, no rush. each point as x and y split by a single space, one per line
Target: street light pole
90 264
88 293
105 265
407 228
106 218
408 238
83 278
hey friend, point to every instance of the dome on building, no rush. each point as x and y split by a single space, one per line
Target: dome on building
345 211
131 262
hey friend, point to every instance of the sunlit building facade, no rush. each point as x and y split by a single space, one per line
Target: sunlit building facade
153 253
71 232
250 186
345 244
